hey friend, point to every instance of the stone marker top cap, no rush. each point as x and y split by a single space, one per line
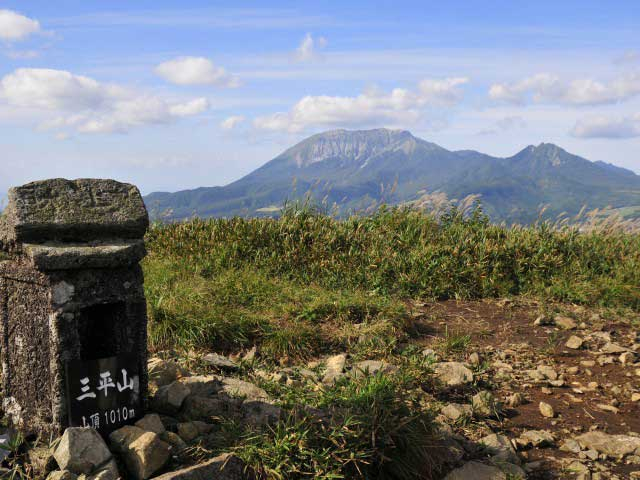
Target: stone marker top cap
75 210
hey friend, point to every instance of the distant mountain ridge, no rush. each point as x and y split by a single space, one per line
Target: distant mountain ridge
354 169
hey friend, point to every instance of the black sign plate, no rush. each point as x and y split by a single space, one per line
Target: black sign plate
105 393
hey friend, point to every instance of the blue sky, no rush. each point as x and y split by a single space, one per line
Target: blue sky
174 95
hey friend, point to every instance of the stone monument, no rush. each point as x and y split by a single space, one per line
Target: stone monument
73 322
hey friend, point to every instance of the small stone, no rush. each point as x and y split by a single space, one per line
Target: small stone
565 323
163 372
546 410
570 445
456 411
635 397
536 438
573 370
174 440
608 408
613 348
151 423
81 450
500 448
143 452
588 363
543 321
548 372
250 356
516 399
574 342
474 359
223 467
62 475
613 445
477 471
334 368
169 398
484 404
219 361
627 358
189 431
453 374
372 367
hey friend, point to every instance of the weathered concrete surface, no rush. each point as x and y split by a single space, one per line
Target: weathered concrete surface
84 209
65 256
71 288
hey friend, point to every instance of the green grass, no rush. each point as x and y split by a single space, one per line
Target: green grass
225 283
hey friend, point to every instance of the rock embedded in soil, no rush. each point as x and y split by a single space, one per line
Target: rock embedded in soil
476 471
456 411
81 450
168 399
163 372
222 467
453 374
62 475
484 404
546 410
500 448
565 323
219 361
372 367
334 368
536 438
516 399
613 445
574 342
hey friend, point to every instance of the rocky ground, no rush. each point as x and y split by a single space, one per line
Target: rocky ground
518 390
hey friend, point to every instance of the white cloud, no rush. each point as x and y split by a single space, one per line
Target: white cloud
547 88
504 124
231 122
601 126
309 48
86 105
14 26
196 71
373 106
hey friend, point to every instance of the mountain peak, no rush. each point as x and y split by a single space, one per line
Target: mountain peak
348 146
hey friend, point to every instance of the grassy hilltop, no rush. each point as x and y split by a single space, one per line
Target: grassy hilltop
306 285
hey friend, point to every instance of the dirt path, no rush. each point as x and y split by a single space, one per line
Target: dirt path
590 388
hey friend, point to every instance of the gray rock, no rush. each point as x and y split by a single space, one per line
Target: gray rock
570 445
163 372
196 407
107 472
169 398
334 368
565 323
500 448
81 450
219 361
151 423
372 367
613 445
453 374
484 404
189 431
456 411
536 438
574 342
144 453
476 471
223 467
62 475
546 410
235 387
